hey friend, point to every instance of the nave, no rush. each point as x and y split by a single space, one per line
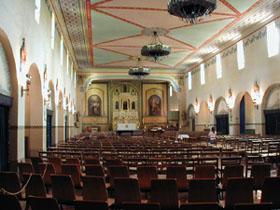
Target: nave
106 171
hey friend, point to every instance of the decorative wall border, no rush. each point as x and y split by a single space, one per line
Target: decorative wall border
229 51
84 88
21 127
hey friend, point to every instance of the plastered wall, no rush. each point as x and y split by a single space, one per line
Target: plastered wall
258 68
17 22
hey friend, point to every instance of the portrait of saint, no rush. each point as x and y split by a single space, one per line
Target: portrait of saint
154 105
94 105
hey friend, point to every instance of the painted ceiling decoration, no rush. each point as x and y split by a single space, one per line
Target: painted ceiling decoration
105 34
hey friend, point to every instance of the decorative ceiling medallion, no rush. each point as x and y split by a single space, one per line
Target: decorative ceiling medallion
191 11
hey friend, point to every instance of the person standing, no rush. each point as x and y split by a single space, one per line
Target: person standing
212 135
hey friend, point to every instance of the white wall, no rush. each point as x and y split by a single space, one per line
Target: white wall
18 22
258 67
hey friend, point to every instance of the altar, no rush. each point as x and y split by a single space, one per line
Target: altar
126 127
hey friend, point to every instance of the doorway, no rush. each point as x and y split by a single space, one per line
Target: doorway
4 137
242 116
66 128
222 124
272 122
49 128
193 124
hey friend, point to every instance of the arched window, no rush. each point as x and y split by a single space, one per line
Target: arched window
133 105
37 10
117 105
125 105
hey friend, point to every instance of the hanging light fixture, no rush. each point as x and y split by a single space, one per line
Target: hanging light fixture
191 11
139 71
155 50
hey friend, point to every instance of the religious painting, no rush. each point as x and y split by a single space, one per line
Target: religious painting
94 105
154 105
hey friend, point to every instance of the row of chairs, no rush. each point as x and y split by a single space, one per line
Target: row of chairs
179 173
163 191
40 203
144 173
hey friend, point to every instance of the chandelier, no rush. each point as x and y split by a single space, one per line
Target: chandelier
139 72
191 11
155 50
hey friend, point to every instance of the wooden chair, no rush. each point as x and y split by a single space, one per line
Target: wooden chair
113 162
9 202
251 160
94 170
35 161
271 191
229 161
46 169
90 205
63 189
42 203
25 168
201 206
74 172
117 171
231 171
94 188
144 175
180 174
205 171
126 190
56 161
259 172
253 206
202 190
140 206
164 192
239 190
10 182
35 186
92 160
74 161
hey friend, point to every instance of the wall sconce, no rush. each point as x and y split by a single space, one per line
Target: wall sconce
28 83
48 94
256 95
23 54
196 106
230 99
60 100
211 103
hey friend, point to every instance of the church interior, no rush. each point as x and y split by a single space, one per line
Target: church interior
128 104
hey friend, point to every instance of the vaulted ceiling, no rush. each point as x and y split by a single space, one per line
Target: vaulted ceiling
105 35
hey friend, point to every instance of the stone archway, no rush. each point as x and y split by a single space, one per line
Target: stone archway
191 118
34 113
15 140
60 118
270 111
221 115
249 116
51 114
203 117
